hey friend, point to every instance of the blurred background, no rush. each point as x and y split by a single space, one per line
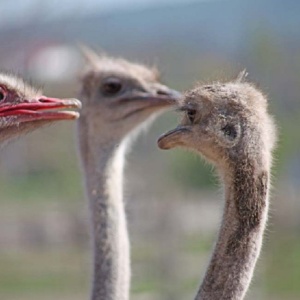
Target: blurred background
174 202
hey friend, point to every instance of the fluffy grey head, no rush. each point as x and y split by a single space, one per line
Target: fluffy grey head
224 122
119 95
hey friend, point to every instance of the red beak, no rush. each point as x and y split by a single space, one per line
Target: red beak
43 108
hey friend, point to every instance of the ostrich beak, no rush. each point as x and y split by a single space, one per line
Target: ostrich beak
174 138
163 95
43 108
137 101
160 96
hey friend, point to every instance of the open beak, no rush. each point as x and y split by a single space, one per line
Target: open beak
174 138
43 108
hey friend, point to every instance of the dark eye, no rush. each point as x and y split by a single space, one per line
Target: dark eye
111 86
191 114
2 94
229 131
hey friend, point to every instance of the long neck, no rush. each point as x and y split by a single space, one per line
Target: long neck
103 167
240 238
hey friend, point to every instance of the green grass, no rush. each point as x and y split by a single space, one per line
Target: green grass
64 275
36 273
197 246
42 186
283 267
146 285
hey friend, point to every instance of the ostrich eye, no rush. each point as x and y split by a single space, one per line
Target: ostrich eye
111 86
229 131
2 94
191 114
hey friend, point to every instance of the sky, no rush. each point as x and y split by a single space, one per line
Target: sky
17 12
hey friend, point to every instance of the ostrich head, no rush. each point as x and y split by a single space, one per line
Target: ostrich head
225 122
23 108
119 95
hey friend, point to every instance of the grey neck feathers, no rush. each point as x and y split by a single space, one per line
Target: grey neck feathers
104 183
240 238
103 164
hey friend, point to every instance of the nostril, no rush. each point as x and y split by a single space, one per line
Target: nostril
162 92
43 100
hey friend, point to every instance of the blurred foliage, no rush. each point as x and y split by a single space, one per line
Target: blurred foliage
191 171
48 183
283 267
35 274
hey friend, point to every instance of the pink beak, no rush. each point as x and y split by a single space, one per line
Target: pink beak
43 108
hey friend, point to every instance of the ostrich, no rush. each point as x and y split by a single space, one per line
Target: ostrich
229 125
119 98
23 108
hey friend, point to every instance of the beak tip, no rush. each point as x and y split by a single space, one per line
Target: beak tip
173 138
174 97
74 103
177 95
161 143
78 103
76 115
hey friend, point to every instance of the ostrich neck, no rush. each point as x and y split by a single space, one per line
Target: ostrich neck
104 183
240 238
